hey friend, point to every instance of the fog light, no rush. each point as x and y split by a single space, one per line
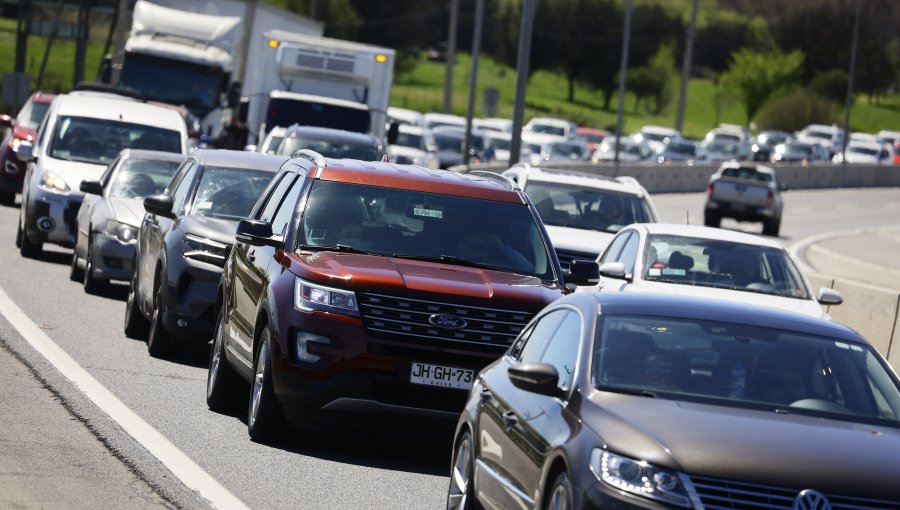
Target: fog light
306 340
182 323
45 224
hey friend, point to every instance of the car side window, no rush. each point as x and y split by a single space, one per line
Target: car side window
183 187
629 254
615 247
275 197
562 351
543 331
286 210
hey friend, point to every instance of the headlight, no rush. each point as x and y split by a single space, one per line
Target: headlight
638 477
122 231
205 250
53 182
311 296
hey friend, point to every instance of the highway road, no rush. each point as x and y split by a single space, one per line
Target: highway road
339 469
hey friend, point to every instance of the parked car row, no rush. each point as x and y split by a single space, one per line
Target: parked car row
343 291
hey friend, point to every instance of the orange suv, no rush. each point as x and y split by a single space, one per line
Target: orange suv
375 290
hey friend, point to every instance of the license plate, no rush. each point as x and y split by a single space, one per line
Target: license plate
439 375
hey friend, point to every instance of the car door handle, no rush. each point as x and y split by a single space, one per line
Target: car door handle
251 255
510 419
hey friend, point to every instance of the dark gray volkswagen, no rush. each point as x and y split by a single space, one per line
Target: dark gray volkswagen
184 240
657 401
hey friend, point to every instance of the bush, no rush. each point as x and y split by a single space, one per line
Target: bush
831 85
796 109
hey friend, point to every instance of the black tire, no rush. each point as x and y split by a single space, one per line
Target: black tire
75 274
559 493
158 343
461 493
265 421
771 227
222 382
136 325
712 220
91 284
27 248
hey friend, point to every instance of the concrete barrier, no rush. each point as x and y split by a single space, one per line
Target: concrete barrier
680 178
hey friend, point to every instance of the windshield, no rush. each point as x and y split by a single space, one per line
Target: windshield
426 226
32 114
859 149
657 137
568 150
142 177
411 140
192 85
99 141
720 147
722 264
798 150
688 149
286 112
449 143
819 134
740 365
500 143
565 205
330 148
773 139
549 130
229 193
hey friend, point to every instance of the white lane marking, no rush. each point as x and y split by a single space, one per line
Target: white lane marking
178 463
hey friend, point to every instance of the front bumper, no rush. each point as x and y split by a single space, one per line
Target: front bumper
112 257
191 301
60 209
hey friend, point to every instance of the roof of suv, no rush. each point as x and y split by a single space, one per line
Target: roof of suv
416 178
238 159
626 185
118 108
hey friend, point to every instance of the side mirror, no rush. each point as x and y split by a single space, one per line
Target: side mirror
25 152
6 121
393 132
829 297
256 233
583 272
91 187
161 205
613 270
539 378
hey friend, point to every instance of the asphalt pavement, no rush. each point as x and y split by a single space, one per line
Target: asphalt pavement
870 256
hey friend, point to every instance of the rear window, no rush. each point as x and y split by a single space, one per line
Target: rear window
142 177
229 193
331 148
565 205
747 173
286 112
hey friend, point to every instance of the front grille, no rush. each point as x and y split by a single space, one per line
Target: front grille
406 319
340 65
567 256
717 494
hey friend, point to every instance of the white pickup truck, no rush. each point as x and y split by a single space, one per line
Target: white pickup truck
744 193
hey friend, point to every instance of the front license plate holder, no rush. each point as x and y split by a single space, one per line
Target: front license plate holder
442 376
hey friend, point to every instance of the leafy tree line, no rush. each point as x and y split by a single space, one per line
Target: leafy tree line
754 50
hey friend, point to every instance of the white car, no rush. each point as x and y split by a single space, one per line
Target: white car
830 137
866 153
630 150
273 140
547 129
493 124
414 146
433 120
81 134
656 137
692 260
726 142
405 116
581 211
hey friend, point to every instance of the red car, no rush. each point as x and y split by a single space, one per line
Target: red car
592 136
23 127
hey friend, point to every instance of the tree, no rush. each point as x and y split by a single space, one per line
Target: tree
753 76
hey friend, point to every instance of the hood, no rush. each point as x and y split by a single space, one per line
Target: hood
809 307
210 228
762 447
576 239
388 275
73 172
23 133
127 210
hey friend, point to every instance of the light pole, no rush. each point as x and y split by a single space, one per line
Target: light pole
686 68
850 83
521 80
626 38
451 57
473 77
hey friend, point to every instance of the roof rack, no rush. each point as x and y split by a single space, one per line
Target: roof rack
311 155
494 176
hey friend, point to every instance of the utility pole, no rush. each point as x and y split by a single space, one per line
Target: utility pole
523 60
450 55
22 27
119 48
473 77
249 15
850 84
626 38
686 67
81 39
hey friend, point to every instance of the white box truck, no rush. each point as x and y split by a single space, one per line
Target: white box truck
317 81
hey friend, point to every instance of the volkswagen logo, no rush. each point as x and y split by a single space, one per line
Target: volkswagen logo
447 321
811 500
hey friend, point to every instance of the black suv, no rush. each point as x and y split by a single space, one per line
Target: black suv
371 289
184 240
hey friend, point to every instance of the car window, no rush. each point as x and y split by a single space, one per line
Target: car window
142 177
615 247
629 254
183 186
574 206
533 349
562 350
32 114
229 193
286 209
275 197
330 148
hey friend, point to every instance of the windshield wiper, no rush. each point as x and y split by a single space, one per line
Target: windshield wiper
629 391
342 248
450 259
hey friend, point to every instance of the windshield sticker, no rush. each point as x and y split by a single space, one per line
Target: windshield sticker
428 213
671 271
653 271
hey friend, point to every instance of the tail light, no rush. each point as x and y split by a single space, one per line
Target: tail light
709 189
770 198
